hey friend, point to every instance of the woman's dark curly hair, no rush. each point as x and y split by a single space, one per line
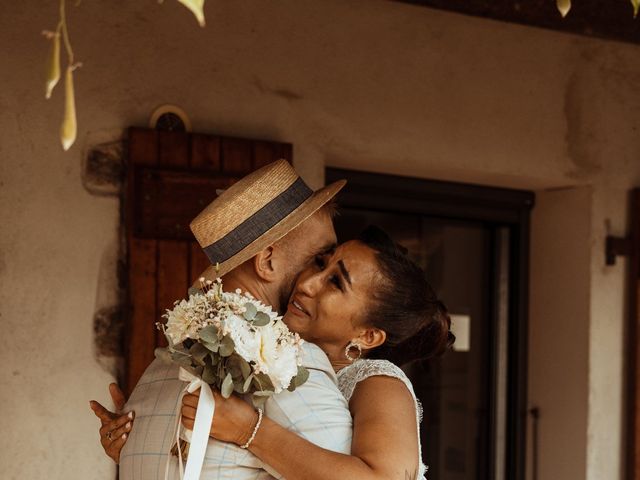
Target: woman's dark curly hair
405 306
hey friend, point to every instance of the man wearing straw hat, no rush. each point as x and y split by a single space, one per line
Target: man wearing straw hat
260 233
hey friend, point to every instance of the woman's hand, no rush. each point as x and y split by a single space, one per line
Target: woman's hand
115 427
233 419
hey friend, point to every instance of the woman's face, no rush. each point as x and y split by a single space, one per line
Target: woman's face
330 297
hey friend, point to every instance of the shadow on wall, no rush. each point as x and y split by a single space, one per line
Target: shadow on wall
103 175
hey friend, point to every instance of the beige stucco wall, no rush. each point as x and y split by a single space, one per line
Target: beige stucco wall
558 339
372 85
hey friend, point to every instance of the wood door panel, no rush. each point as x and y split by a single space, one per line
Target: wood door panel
172 262
173 149
205 152
171 177
237 156
265 152
168 199
143 147
142 311
172 279
198 262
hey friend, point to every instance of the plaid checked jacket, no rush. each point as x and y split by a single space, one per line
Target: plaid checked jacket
316 411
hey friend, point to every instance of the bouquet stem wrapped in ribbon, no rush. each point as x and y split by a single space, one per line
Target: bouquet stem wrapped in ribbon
231 342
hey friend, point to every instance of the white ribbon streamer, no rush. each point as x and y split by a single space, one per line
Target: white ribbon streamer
202 426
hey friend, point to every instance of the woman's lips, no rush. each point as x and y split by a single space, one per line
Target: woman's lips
296 307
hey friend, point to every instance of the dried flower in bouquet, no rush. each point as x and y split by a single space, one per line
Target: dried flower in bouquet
233 342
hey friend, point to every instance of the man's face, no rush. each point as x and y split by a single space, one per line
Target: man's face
312 237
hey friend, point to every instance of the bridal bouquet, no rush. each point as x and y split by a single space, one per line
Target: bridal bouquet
233 342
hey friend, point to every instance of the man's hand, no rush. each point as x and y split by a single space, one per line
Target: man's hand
115 427
233 419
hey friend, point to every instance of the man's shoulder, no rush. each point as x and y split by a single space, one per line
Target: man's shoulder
316 410
158 383
313 358
319 393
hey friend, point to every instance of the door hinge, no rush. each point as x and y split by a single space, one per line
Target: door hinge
616 247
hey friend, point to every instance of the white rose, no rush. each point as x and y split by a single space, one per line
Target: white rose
268 347
278 359
247 343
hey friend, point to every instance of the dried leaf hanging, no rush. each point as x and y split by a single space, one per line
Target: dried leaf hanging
563 7
197 8
636 7
69 128
53 62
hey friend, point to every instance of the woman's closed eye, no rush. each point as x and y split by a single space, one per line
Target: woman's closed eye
320 262
334 279
337 282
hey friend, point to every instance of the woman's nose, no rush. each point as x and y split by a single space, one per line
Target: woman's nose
309 285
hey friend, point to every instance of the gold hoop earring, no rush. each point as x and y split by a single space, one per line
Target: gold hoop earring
351 345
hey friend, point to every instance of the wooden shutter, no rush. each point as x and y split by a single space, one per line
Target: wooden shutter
171 177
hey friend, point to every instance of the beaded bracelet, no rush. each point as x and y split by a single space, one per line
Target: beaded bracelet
255 430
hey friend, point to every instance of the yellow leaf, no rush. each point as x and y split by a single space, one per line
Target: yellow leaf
53 63
69 128
563 7
197 8
636 7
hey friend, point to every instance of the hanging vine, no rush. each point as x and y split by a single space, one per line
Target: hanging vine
564 6
69 126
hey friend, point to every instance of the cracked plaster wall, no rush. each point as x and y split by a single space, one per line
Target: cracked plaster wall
371 85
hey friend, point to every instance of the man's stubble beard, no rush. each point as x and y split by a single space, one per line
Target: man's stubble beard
286 289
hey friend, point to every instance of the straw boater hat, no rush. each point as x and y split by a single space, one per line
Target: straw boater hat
254 213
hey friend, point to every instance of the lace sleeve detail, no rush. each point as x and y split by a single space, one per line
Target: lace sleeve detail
349 377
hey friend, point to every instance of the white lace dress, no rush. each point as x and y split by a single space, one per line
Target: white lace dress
362 369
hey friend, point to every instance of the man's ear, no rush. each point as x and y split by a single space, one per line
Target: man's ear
263 264
372 337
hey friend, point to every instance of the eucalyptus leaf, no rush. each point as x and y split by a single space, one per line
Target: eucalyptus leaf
181 359
258 402
233 366
179 349
214 359
237 386
209 334
212 347
261 319
301 377
247 384
250 311
263 393
198 352
244 367
227 386
226 346
209 374
263 382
